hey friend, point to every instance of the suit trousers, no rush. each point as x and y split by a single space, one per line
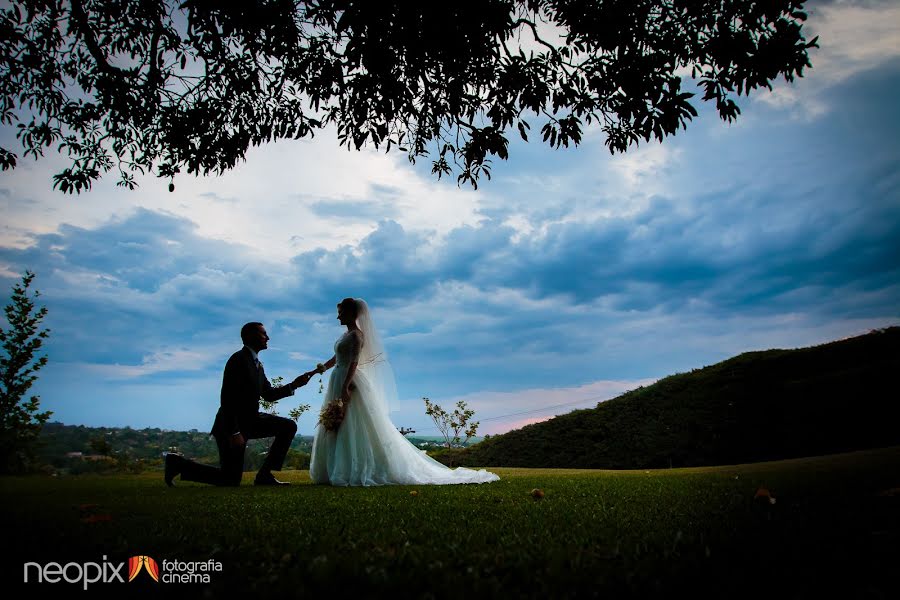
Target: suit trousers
231 458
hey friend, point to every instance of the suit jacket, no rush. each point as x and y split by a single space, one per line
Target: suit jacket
242 386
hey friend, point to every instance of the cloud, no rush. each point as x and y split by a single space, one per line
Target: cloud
854 38
267 204
352 210
501 411
154 276
642 166
712 249
217 198
133 284
164 360
800 104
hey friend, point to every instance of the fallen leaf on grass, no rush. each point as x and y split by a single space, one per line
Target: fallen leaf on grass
763 494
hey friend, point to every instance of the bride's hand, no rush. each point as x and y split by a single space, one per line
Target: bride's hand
345 395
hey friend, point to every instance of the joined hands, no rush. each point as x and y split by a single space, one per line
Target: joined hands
302 380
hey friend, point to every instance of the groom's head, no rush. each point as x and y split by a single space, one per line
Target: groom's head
254 336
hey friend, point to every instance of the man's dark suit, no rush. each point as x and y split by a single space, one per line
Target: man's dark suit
242 385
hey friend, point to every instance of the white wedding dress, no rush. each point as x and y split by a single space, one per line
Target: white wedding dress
367 449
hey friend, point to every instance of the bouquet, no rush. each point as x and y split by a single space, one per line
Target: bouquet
332 415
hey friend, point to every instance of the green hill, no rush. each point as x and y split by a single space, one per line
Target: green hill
757 406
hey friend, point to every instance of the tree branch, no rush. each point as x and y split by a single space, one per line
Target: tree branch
553 49
153 75
79 17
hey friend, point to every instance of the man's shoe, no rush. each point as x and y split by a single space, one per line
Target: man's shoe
173 468
268 479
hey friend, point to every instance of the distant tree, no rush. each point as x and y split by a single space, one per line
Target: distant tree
20 419
125 462
296 459
100 445
451 424
163 86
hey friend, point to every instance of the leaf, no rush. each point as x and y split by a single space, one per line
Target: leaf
522 131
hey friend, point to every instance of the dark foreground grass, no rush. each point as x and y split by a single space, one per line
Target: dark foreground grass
834 531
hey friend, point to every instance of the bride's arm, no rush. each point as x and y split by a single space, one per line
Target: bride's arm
351 370
322 367
348 382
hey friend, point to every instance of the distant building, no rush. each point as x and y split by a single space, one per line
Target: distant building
90 457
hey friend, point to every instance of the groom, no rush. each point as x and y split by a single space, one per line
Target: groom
239 419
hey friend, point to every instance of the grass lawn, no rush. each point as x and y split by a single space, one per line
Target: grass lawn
833 531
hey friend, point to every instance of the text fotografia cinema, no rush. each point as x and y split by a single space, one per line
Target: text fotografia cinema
87 573
178 571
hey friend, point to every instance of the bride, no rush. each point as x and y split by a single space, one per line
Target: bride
364 448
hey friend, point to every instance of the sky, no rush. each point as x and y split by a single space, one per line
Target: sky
568 278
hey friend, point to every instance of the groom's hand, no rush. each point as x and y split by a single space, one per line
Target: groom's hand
301 380
237 440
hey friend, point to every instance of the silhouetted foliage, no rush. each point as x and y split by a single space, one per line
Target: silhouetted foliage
754 407
20 417
270 406
162 86
451 425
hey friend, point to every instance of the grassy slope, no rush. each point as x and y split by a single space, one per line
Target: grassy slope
756 406
834 530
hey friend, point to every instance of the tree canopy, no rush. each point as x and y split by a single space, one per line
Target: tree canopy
162 87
